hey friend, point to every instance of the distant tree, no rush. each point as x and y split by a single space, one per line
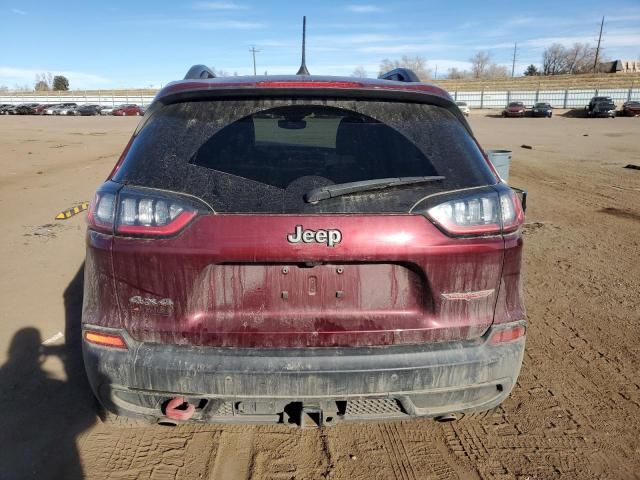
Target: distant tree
558 59
497 71
480 64
41 85
60 82
4 89
359 71
531 71
21 88
417 64
455 74
580 58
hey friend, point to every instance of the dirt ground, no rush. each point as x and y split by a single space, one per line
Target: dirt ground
574 414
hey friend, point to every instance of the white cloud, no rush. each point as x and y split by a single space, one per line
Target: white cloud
219 6
359 38
17 11
364 8
228 25
11 76
619 39
467 25
406 49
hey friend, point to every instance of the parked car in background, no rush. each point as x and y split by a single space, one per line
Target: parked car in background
108 110
300 250
4 107
514 109
605 108
67 109
464 108
56 107
127 110
39 110
86 110
631 108
594 100
10 109
542 109
26 109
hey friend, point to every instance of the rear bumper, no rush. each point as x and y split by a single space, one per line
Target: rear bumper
260 386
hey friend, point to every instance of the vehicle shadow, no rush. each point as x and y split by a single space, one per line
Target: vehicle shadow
43 416
575 113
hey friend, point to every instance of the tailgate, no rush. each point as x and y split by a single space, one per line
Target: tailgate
243 280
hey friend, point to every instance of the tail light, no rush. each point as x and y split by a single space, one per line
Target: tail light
141 212
482 212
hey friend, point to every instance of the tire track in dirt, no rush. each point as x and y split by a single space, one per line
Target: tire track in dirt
148 453
234 456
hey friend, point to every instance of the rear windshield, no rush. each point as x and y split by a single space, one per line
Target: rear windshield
263 155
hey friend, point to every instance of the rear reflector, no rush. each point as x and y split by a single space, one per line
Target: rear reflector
507 334
105 339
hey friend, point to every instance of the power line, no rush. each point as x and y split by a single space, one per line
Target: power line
595 63
254 51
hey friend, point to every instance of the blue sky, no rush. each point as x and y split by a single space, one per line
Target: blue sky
125 44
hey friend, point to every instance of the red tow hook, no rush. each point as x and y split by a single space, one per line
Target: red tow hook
179 409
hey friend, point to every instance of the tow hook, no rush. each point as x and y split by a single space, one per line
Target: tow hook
179 409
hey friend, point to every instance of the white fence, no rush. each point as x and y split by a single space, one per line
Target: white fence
94 99
482 99
557 98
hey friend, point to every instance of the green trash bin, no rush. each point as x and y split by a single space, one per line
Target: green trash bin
501 160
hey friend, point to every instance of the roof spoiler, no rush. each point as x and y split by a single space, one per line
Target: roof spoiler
400 75
198 72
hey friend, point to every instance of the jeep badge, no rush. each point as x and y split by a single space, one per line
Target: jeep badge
330 237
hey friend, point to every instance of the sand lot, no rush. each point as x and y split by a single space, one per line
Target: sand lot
574 414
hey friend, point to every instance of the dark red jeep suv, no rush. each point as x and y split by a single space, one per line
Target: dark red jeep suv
303 249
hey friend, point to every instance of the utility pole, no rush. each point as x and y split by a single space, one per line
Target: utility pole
435 77
254 51
513 65
595 63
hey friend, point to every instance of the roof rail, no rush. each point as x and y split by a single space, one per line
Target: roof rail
400 75
198 72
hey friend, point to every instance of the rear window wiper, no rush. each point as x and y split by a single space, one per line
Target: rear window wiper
339 189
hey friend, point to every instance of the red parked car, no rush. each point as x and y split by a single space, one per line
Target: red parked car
127 110
303 249
631 108
514 109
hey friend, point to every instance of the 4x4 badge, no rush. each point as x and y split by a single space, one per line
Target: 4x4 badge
331 237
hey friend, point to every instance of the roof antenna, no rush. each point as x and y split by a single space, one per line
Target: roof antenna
303 68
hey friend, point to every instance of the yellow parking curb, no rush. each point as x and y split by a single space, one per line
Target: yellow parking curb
72 211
